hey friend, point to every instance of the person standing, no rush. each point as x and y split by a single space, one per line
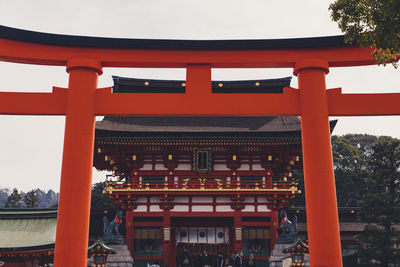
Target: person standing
229 261
205 259
185 259
220 260
238 260
251 262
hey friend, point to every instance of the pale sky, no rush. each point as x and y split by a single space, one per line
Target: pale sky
31 146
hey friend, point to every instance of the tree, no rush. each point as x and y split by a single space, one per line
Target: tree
14 200
350 154
100 202
350 158
4 192
299 200
380 207
31 199
371 23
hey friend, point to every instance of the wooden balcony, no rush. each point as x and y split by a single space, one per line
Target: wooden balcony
205 186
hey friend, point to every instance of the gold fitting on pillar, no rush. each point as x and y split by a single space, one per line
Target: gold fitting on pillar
85 63
311 64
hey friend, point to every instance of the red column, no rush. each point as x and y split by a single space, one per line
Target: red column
167 239
238 233
273 228
320 193
129 237
76 174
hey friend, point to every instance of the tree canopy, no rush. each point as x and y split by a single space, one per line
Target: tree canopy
14 200
100 202
367 175
350 158
31 199
380 206
370 23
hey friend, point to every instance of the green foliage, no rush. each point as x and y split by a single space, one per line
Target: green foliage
376 245
100 202
367 175
299 200
350 158
380 207
14 200
371 23
31 199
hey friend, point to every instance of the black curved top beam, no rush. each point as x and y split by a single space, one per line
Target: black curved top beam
126 43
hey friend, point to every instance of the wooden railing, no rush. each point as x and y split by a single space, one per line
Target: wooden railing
203 184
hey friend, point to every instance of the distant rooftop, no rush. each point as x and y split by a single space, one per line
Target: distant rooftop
200 124
27 229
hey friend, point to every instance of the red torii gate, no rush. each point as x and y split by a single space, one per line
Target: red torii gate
84 58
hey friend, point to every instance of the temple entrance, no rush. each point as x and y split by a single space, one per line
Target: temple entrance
195 250
213 234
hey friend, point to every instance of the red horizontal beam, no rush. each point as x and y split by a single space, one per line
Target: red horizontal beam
362 104
21 52
199 214
54 103
108 103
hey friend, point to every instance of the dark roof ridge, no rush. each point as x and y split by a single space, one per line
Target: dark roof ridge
140 85
26 213
36 249
217 80
169 44
185 124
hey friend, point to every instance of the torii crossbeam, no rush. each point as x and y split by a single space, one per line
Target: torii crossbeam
84 58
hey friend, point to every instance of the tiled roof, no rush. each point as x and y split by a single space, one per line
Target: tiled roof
200 124
27 230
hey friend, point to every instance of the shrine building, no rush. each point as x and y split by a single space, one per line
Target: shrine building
200 183
27 237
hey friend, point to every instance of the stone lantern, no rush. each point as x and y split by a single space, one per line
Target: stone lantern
100 251
297 251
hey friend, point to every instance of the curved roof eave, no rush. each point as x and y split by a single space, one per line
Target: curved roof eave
187 125
165 44
27 234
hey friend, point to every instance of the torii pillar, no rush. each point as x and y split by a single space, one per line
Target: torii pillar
319 180
76 174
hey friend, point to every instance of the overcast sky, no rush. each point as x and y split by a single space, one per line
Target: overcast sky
31 147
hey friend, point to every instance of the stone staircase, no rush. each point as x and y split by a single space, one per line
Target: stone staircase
123 257
277 256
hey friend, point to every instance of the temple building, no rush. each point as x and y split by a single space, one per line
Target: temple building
27 237
199 183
